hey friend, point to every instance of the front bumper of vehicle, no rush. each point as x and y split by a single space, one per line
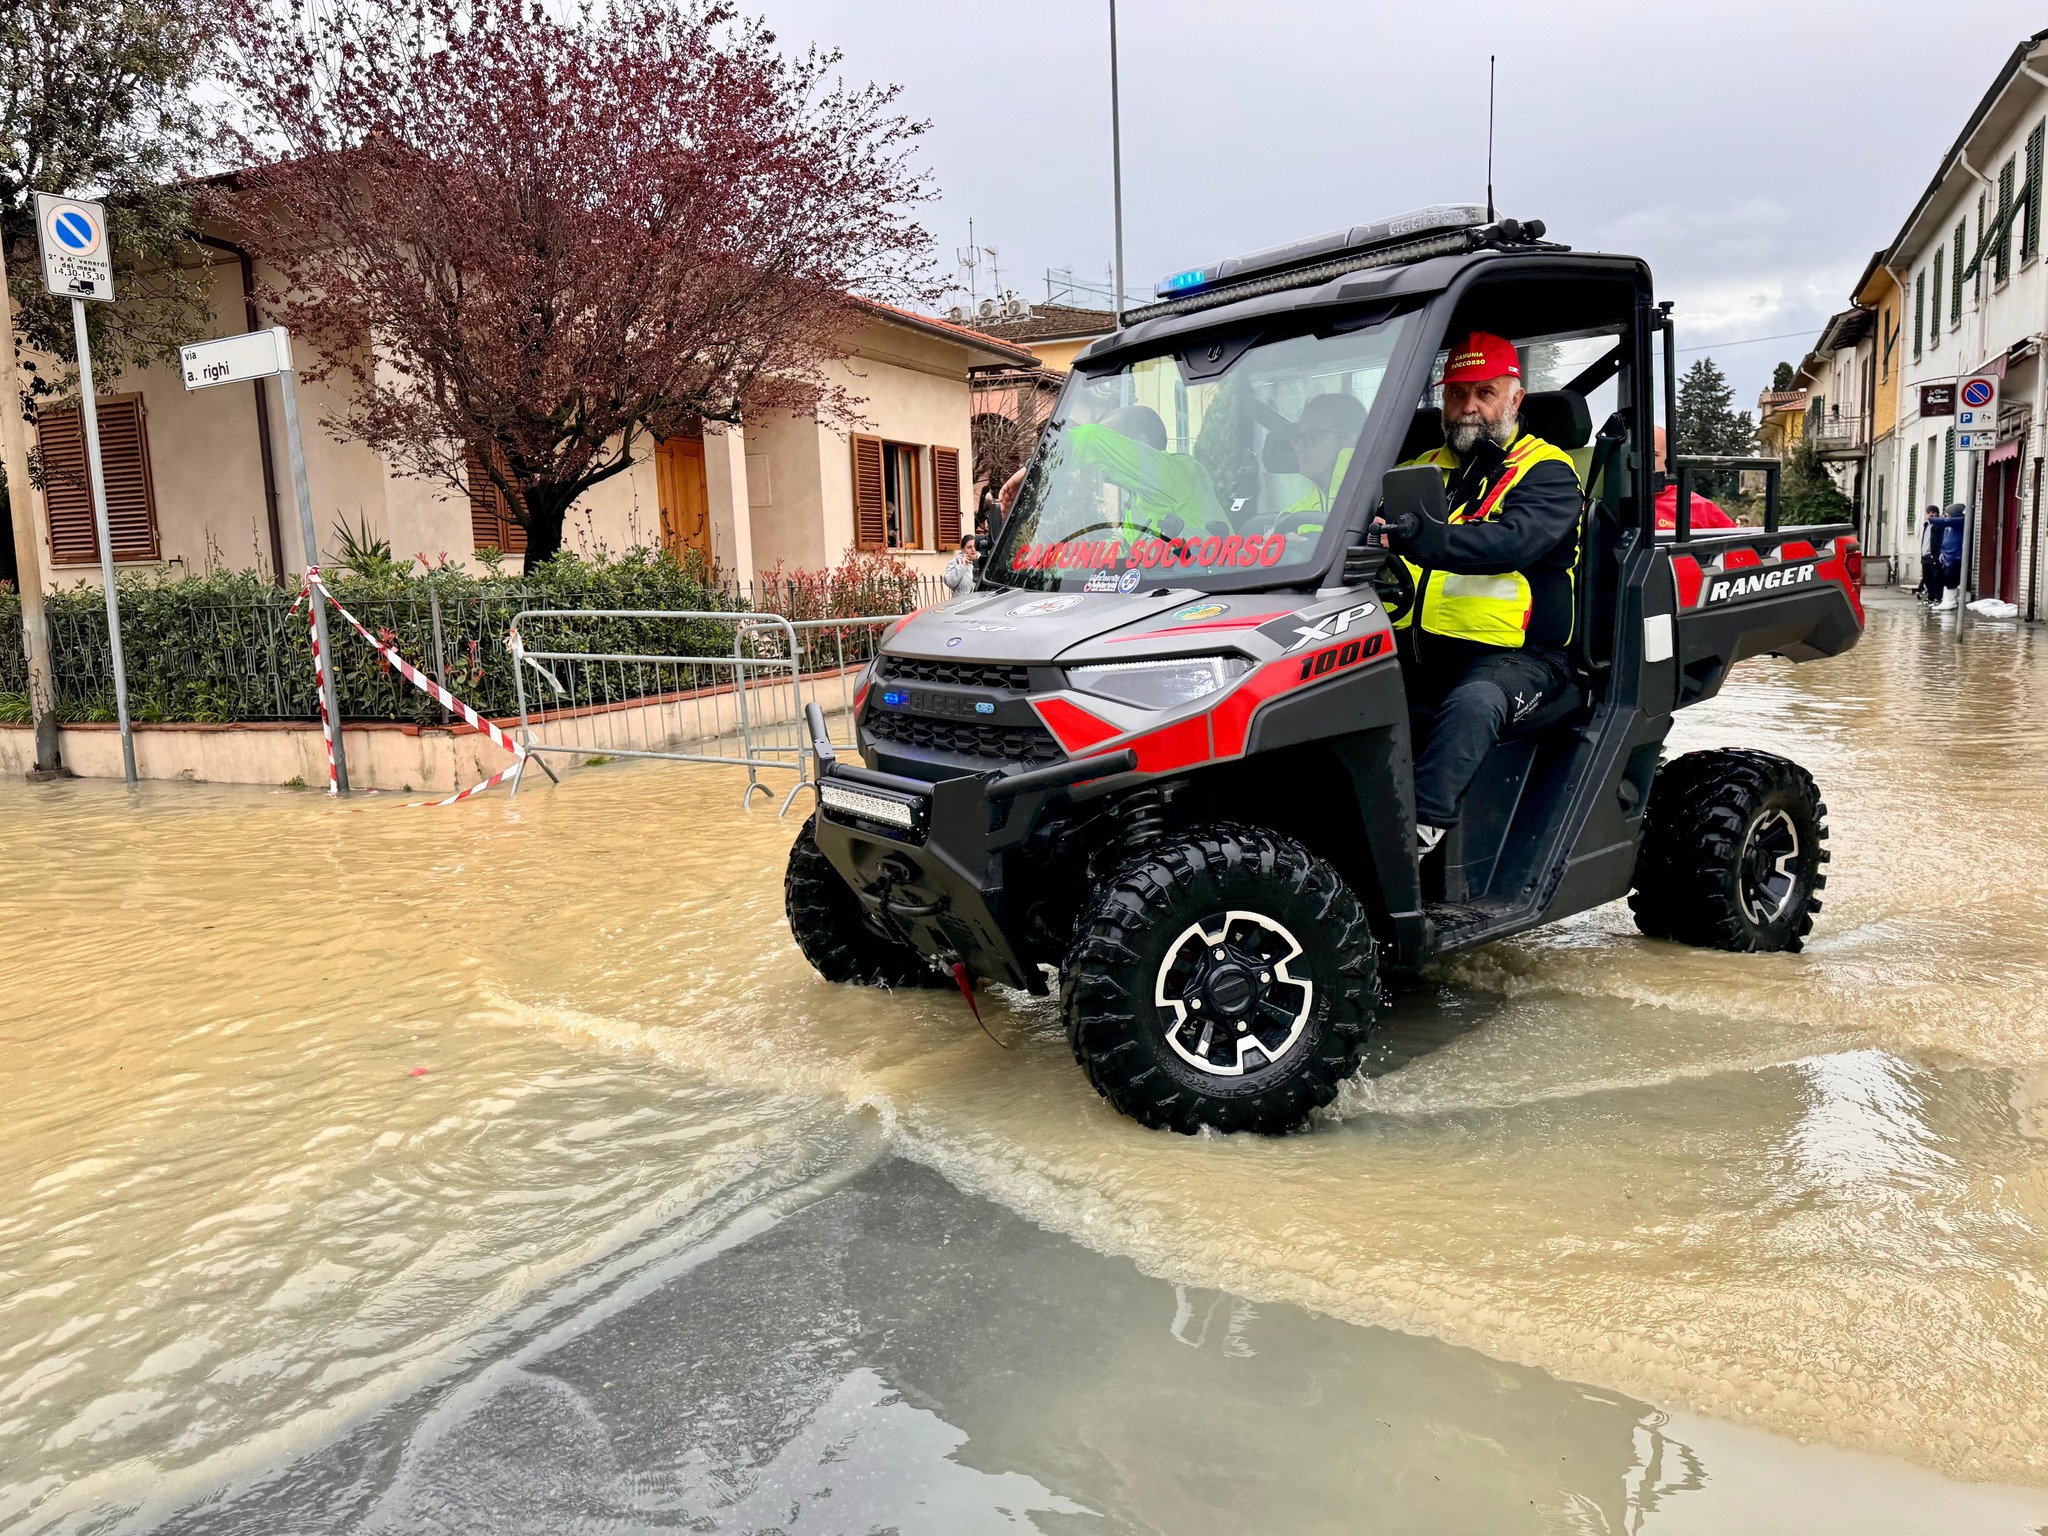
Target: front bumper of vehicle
928 858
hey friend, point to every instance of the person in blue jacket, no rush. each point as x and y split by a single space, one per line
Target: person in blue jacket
1947 539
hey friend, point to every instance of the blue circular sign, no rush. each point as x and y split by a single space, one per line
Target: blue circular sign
1977 392
73 230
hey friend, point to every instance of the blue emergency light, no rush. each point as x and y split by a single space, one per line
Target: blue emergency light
895 698
1182 282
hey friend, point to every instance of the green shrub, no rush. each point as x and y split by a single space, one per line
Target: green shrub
228 646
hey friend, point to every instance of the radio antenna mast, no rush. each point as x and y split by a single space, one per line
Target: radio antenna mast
1489 138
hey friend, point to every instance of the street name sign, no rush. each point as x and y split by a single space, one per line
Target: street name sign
1976 412
236 359
78 259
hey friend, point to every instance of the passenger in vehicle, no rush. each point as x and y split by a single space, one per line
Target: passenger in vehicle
1170 492
1494 606
1705 514
1324 439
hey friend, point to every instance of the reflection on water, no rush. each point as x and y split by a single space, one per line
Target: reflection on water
347 1148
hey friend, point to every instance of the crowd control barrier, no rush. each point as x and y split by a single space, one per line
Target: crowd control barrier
696 687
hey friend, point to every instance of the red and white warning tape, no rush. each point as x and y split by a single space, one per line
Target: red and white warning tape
418 679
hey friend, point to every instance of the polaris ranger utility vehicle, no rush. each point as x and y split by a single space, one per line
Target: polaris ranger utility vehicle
1166 749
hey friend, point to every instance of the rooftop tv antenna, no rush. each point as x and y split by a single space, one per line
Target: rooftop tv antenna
970 258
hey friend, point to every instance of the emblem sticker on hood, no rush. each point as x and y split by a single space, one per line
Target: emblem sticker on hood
1194 611
1043 607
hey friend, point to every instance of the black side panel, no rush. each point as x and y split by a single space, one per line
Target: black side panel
1804 626
1344 747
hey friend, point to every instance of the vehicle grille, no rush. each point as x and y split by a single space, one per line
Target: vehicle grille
968 674
1012 743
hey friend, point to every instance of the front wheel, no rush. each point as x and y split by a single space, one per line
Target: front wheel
1225 977
1734 853
839 939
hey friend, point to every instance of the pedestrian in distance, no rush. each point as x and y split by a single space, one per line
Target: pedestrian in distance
1930 556
959 577
1952 555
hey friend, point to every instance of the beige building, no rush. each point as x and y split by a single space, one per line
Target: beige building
201 480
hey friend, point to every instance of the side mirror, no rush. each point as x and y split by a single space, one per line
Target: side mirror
1414 490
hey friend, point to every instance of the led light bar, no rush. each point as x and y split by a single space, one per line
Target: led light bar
1320 248
867 807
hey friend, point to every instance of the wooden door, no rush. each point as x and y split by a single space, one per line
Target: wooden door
2009 534
685 503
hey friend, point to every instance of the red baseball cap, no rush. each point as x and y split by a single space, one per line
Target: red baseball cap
1479 357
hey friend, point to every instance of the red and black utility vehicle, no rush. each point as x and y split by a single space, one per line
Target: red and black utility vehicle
1165 750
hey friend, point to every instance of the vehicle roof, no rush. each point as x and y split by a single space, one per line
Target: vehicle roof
1372 285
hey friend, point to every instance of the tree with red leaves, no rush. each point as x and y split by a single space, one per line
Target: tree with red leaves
551 241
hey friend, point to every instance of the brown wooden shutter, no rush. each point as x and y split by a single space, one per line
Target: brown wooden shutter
870 516
946 485
67 485
491 523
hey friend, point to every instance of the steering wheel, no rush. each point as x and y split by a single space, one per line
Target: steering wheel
1395 587
1294 522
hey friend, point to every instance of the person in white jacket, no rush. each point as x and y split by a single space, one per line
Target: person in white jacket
959 577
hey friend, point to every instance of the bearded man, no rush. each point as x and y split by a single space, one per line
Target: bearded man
1495 588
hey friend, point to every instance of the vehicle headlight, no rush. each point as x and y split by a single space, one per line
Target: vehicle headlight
1159 684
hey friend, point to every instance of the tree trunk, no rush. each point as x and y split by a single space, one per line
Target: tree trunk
546 512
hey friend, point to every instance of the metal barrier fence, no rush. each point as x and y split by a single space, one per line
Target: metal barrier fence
740 705
214 651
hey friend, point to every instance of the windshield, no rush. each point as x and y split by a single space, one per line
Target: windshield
1197 465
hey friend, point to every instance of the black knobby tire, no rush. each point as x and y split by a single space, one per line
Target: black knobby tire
833 930
1250 893
1734 853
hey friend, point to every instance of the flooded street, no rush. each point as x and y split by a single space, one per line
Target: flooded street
504 1167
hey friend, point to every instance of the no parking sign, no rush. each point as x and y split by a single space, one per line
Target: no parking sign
78 260
1976 412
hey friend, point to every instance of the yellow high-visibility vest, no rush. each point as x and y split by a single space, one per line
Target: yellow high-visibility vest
1493 610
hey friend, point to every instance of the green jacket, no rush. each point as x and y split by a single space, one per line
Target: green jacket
1162 485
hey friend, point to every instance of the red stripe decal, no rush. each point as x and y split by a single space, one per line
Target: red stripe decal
1075 729
1798 549
1686 572
1738 559
1184 744
1250 621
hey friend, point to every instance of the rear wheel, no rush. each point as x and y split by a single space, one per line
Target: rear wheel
836 935
1734 852
1225 977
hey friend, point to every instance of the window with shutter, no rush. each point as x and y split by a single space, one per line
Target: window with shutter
946 488
1934 320
1912 484
1919 314
67 485
2030 230
870 510
1955 275
2002 250
1948 468
491 523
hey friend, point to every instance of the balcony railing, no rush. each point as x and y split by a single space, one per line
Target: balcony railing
1836 431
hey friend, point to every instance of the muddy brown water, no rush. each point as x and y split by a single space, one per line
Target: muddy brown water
316 1115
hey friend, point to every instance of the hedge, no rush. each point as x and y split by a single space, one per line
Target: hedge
226 646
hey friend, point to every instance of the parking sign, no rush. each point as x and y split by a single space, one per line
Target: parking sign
1976 412
78 259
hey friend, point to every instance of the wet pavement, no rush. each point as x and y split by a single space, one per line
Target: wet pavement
503 1168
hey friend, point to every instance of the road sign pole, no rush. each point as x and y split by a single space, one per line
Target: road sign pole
28 550
312 550
99 521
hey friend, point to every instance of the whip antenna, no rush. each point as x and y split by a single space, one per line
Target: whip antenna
1489 138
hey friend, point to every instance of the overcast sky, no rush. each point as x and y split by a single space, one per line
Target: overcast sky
1755 154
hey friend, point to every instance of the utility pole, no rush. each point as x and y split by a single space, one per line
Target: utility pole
1116 170
28 555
